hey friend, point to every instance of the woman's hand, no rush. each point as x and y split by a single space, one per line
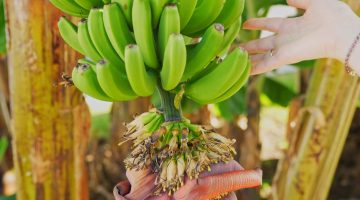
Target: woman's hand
327 29
223 178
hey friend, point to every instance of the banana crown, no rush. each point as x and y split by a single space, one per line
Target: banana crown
143 44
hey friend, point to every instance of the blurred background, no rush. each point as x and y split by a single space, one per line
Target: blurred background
300 124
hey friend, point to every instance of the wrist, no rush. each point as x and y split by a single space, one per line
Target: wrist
345 40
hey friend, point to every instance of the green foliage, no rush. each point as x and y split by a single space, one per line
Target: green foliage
281 88
4 144
12 197
305 64
100 126
232 107
2 28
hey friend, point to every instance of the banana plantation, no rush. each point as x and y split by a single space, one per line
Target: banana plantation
154 99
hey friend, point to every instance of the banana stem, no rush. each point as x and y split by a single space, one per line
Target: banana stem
171 113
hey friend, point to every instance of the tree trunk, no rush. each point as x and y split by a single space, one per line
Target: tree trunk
318 137
124 112
107 167
249 144
50 123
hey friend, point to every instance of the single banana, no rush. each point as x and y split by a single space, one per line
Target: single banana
157 7
169 24
99 37
117 29
70 7
235 88
205 14
86 42
203 53
174 62
113 82
142 82
89 4
186 10
68 32
231 12
144 36
85 80
215 63
219 80
126 7
229 37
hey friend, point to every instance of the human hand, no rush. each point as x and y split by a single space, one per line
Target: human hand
326 30
223 178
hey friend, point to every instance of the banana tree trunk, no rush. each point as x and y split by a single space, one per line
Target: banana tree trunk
50 123
319 134
123 113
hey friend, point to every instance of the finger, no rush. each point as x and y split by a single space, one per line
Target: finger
260 45
267 62
121 189
257 58
302 4
268 24
230 181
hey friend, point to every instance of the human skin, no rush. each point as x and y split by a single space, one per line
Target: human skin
327 29
223 178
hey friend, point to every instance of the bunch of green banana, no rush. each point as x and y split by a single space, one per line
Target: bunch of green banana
180 47
137 42
176 150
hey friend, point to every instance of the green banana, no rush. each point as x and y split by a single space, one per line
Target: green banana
169 24
99 37
117 29
85 80
142 82
229 37
126 7
231 12
219 80
205 14
113 82
204 52
70 7
106 1
89 4
174 62
235 88
215 63
68 32
86 42
186 10
86 61
157 7
144 36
